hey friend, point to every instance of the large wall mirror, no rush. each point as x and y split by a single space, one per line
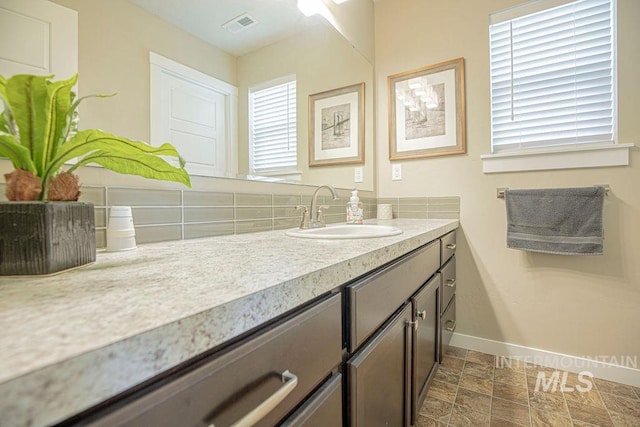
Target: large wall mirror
323 52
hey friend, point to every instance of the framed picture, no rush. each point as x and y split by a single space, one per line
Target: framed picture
336 126
427 111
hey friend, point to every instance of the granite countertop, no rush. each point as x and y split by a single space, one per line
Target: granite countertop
72 340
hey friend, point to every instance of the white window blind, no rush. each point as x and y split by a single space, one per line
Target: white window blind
272 128
552 76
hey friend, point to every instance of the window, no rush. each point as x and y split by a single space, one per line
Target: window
272 127
553 79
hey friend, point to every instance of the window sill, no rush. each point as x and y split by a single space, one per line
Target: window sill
280 176
593 156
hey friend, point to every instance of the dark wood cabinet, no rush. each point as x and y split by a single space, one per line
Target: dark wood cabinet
362 356
393 318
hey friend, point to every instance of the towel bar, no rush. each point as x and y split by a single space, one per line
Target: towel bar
500 190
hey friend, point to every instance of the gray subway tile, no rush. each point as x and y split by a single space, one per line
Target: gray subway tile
156 215
285 212
444 208
158 233
413 208
388 200
334 218
253 226
284 223
285 200
444 215
204 214
405 201
412 215
246 199
193 231
243 213
444 200
101 238
143 197
101 217
95 195
207 198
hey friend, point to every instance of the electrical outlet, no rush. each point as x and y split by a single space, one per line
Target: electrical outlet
396 172
358 174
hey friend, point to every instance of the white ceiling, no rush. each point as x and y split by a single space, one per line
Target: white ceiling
276 20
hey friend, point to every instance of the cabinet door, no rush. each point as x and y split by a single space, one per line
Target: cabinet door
425 344
378 376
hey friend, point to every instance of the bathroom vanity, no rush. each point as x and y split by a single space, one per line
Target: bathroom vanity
301 332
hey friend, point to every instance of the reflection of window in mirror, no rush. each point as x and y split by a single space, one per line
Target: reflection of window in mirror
272 128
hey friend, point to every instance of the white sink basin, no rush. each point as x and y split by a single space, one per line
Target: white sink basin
345 231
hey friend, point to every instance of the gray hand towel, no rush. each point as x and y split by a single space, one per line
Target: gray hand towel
558 220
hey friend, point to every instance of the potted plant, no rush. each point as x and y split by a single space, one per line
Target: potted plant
43 229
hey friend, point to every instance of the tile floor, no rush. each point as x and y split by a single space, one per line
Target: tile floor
471 389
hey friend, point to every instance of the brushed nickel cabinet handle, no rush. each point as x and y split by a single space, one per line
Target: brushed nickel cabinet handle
453 327
289 380
451 246
451 283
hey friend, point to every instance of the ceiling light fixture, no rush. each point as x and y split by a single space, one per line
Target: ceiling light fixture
339 1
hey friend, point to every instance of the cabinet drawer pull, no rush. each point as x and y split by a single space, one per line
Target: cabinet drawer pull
453 327
451 246
422 314
289 381
451 283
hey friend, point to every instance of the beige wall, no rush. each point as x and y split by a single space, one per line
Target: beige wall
355 21
584 306
321 61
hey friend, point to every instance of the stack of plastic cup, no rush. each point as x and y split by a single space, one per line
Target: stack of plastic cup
121 236
385 211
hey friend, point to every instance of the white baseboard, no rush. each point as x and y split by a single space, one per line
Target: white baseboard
599 369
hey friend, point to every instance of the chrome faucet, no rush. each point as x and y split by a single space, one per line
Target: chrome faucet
316 219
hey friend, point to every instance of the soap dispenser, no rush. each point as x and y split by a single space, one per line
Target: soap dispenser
355 213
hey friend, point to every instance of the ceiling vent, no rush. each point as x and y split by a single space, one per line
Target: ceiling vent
239 23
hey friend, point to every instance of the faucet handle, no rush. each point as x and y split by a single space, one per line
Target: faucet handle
304 220
320 216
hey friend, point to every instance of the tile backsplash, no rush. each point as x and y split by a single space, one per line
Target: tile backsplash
161 215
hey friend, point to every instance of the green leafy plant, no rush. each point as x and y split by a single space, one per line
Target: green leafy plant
38 135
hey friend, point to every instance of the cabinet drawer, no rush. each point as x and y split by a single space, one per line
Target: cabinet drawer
372 300
448 283
448 246
448 323
322 409
280 366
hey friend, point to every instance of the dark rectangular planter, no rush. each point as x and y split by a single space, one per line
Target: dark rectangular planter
45 237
